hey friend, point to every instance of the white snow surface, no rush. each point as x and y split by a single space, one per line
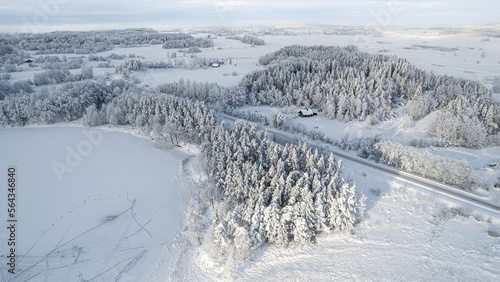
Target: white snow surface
84 228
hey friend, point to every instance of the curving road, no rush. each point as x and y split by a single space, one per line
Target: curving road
417 180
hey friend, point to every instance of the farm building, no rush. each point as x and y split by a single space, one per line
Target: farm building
307 113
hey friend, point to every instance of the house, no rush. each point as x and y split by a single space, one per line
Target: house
307 113
215 65
28 61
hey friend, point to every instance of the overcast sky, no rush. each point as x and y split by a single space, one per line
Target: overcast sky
49 15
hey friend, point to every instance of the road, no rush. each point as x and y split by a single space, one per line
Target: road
420 182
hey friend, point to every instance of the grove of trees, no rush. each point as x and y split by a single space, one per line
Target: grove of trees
248 39
350 85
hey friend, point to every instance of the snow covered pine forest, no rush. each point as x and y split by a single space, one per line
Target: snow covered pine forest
256 190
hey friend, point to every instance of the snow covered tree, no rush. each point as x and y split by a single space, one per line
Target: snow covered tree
458 130
277 119
94 117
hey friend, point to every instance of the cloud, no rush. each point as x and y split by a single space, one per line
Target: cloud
232 3
240 12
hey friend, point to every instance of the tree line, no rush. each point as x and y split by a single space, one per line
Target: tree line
91 42
411 159
247 39
65 103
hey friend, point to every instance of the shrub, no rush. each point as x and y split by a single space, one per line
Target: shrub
458 130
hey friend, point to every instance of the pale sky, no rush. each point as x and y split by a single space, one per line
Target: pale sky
50 15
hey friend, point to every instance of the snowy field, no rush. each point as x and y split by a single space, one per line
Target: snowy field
117 213
106 204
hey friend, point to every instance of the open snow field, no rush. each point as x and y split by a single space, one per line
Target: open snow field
116 214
